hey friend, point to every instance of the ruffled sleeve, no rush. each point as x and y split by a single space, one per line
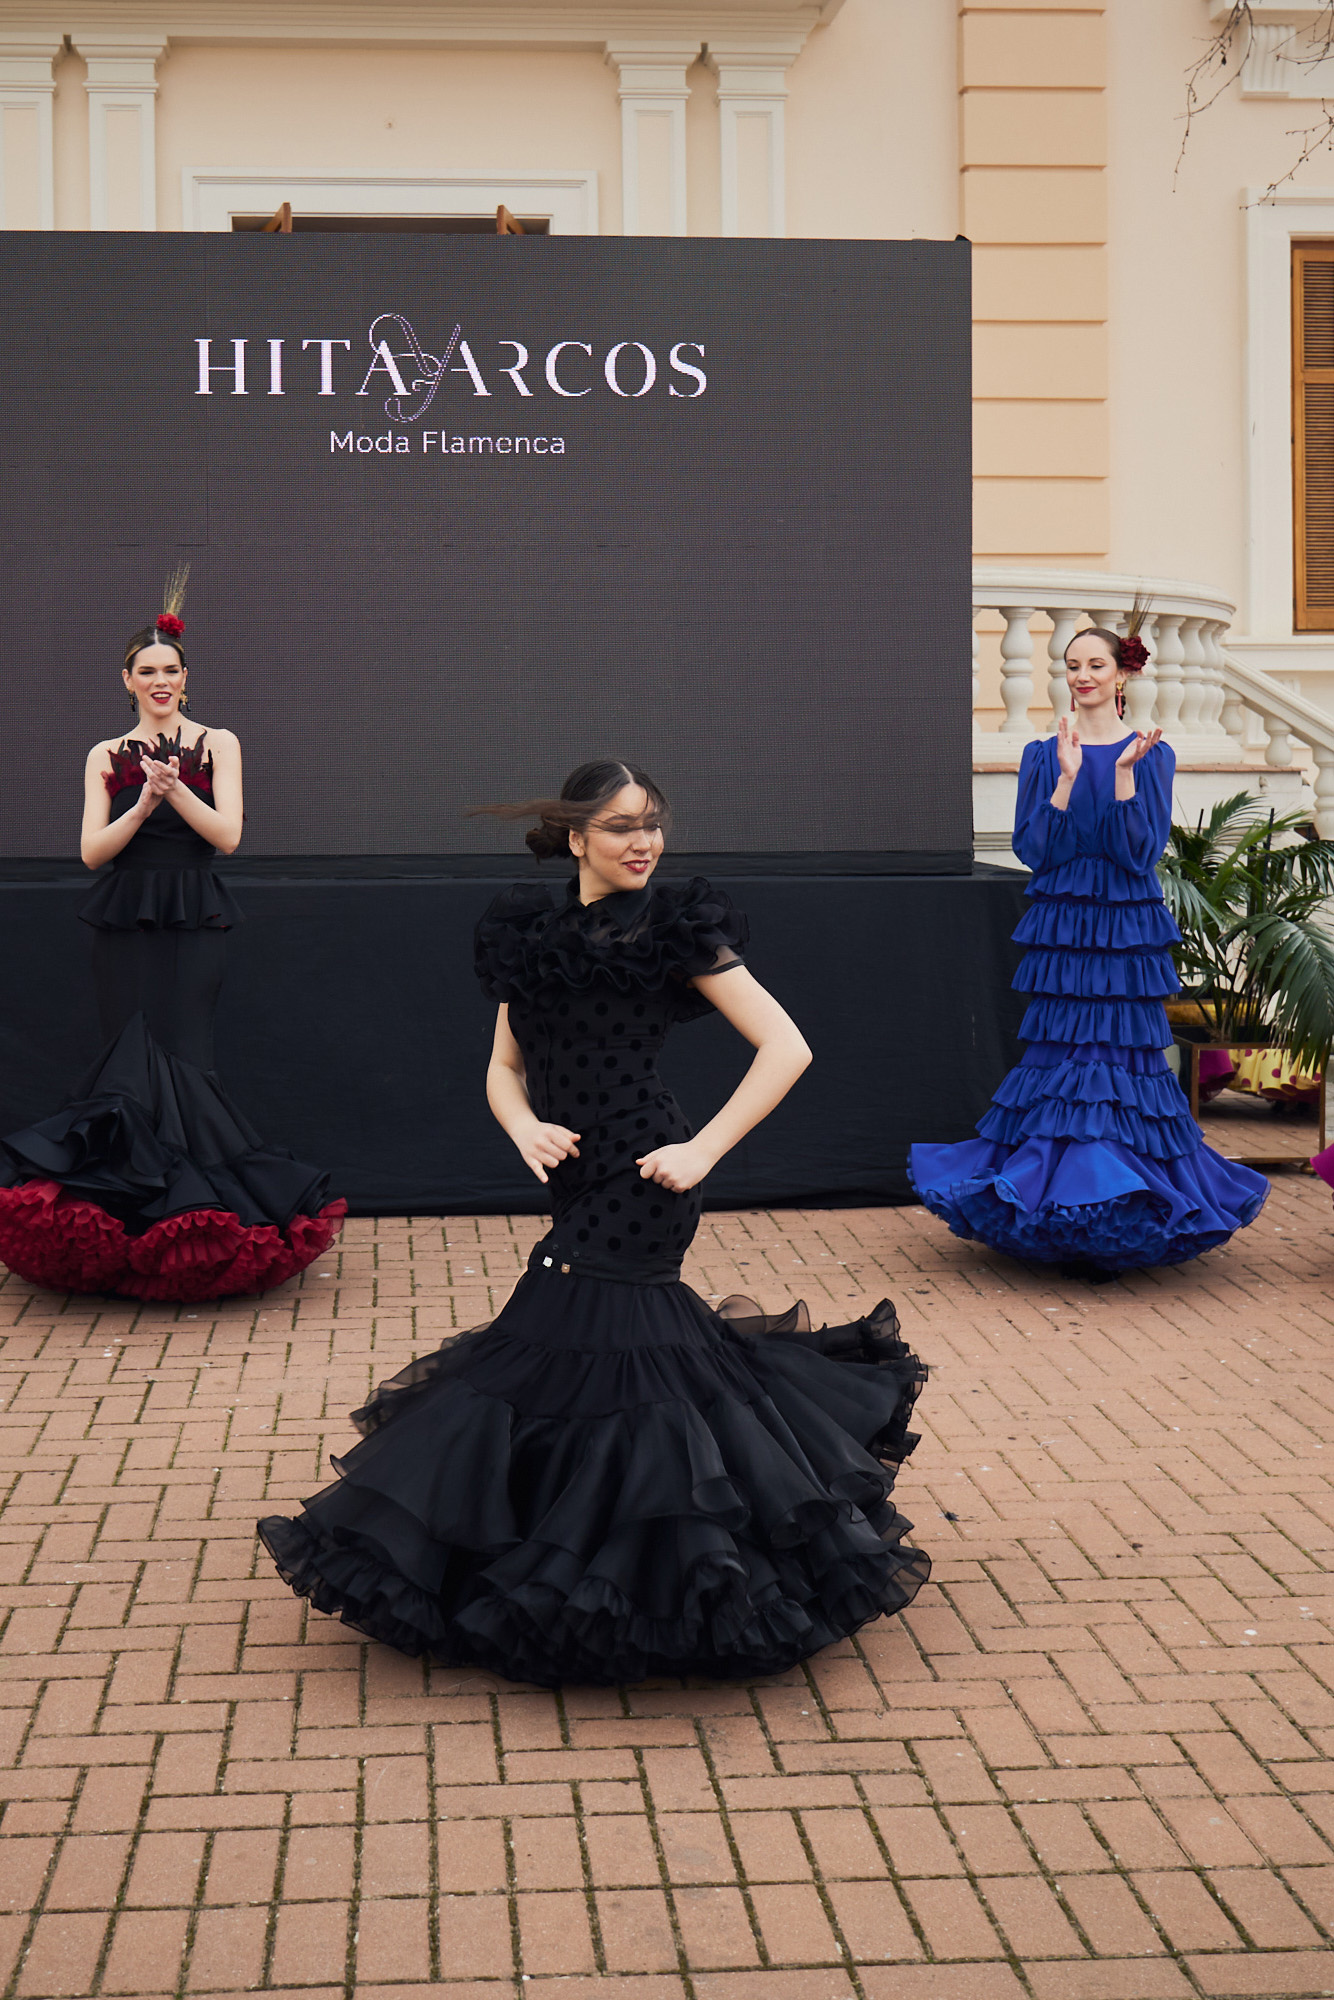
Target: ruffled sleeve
1133 832
527 949
709 935
1043 836
505 936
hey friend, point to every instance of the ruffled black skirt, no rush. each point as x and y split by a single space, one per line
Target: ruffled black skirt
612 1482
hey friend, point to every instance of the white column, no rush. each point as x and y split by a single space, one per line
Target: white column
1324 793
1212 717
122 150
1058 687
653 92
1194 687
1167 661
1016 670
27 148
752 93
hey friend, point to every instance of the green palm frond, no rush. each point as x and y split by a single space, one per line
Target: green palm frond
1290 968
1250 896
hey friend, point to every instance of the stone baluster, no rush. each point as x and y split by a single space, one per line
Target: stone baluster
1278 750
1193 685
1168 654
977 675
1214 719
1324 791
1232 712
1016 670
1063 624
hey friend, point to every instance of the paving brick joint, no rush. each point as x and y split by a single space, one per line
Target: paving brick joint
1094 1762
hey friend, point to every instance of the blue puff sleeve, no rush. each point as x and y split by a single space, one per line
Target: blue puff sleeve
1043 836
1133 832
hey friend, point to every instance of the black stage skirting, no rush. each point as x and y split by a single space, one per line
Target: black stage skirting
352 1031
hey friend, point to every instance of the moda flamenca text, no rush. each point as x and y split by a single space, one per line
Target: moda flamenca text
484 445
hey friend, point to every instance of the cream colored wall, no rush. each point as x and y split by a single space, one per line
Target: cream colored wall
872 123
385 111
1177 262
1047 130
1033 125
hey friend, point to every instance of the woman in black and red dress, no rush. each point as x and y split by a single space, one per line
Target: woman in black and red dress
612 1480
150 1183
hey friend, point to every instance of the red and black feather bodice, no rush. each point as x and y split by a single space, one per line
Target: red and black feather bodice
163 878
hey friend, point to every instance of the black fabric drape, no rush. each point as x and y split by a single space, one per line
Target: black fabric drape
350 1022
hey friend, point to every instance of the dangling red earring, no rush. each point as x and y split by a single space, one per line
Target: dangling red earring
1121 700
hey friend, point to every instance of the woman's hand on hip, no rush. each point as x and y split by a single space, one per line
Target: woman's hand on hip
542 1146
677 1168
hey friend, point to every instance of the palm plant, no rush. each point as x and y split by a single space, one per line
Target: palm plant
1247 891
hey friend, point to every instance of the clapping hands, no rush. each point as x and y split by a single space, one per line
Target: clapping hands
1139 746
160 779
1069 750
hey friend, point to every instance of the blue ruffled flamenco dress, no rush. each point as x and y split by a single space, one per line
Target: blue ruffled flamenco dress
1089 1154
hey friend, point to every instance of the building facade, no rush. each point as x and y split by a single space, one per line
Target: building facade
1134 352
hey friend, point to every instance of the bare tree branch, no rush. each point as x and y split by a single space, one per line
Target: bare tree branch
1218 67
1206 79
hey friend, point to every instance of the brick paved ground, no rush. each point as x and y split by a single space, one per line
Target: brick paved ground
1094 1763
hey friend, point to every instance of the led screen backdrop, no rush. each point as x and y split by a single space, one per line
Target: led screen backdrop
462 511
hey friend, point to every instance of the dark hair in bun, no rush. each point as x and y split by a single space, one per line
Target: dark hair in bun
585 793
1128 654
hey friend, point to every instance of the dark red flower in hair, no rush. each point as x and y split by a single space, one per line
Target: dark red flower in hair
173 627
1134 653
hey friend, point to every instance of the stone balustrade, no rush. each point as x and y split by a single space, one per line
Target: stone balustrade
1232 727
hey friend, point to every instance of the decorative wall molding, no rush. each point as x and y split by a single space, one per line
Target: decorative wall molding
211 196
752 93
653 92
1273 223
122 86
1281 61
588 24
27 87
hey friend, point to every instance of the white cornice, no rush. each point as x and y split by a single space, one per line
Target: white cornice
586 24
1283 13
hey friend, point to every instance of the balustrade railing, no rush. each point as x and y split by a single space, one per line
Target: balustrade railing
1216 710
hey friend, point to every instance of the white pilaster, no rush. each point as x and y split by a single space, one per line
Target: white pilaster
27 198
752 93
122 149
653 92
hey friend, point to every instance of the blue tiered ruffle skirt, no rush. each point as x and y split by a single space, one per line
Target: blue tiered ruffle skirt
1089 1153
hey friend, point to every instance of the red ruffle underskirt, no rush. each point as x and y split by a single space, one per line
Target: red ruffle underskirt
67 1245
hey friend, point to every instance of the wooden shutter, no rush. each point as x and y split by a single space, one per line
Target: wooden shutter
1313 435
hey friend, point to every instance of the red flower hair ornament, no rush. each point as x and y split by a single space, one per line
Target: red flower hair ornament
1134 653
175 627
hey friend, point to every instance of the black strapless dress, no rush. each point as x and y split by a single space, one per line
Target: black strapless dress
612 1480
150 1183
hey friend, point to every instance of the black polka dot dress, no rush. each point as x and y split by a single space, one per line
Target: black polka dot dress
611 1480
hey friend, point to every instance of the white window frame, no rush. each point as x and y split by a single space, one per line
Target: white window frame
1274 222
212 196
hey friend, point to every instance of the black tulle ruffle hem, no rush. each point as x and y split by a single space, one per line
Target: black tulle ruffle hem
613 1482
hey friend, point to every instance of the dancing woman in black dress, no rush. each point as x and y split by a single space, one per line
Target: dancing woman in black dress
150 1183
611 1480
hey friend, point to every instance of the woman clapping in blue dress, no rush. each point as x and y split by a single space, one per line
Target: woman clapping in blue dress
1089 1155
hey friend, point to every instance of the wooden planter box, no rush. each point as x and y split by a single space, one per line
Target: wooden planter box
1190 1078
